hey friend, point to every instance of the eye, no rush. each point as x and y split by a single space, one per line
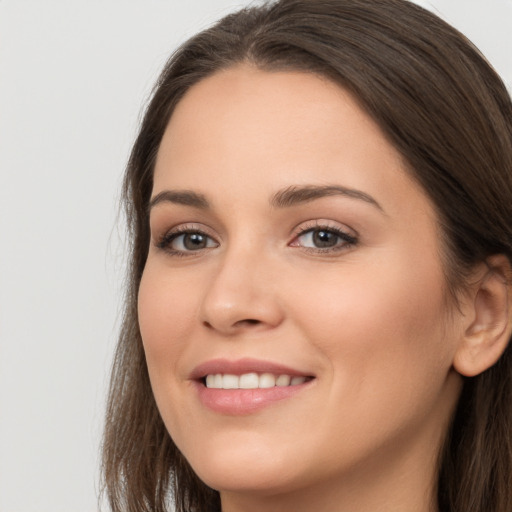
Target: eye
181 242
323 239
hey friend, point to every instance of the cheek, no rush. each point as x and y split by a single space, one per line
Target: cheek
381 325
165 315
382 334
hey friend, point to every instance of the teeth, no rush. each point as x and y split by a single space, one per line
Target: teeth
267 380
230 382
283 380
251 381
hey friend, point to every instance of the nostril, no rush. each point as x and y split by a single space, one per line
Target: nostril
248 321
237 325
232 327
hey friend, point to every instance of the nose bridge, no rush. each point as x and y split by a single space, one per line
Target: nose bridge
240 293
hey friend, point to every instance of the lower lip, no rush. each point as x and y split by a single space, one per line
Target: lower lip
237 402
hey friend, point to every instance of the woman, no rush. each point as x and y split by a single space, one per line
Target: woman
319 306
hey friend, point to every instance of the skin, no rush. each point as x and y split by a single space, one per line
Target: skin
369 320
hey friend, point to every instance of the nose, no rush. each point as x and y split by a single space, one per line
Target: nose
241 296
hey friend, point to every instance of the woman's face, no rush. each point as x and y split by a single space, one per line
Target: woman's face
295 262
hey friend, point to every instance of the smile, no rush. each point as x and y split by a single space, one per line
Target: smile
252 381
246 386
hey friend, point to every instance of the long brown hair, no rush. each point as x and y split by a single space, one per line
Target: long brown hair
445 110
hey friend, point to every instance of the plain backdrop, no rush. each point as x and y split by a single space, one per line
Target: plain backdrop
74 75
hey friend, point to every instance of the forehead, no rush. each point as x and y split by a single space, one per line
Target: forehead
244 102
269 130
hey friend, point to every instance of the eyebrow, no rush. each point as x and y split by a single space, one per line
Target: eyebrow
285 198
183 197
303 194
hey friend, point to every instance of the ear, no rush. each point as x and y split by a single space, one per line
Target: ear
487 330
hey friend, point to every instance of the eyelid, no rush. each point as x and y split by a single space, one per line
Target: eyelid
325 224
163 240
349 236
183 227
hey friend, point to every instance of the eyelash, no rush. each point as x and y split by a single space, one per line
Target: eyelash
168 238
164 243
348 240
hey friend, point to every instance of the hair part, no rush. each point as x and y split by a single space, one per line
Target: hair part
446 111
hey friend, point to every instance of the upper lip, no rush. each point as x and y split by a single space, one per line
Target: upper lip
241 366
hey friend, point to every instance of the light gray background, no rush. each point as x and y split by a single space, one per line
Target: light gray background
73 78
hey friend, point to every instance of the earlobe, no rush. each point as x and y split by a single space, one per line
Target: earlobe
487 334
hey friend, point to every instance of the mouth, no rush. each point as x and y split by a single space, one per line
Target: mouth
246 386
252 380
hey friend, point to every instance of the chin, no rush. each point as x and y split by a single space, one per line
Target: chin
246 467
247 481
